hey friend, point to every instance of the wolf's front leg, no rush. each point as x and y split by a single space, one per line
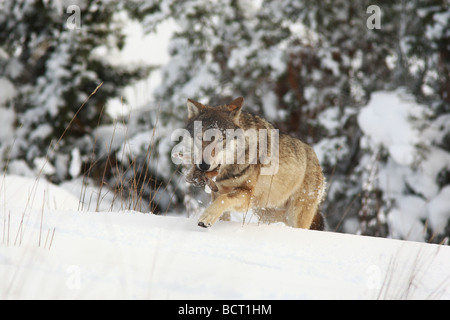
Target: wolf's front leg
238 200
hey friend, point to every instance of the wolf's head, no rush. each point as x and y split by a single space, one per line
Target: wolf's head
208 127
225 116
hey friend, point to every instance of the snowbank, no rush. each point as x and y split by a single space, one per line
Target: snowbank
34 193
66 254
143 256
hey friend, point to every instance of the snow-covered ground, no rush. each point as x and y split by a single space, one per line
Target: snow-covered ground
50 250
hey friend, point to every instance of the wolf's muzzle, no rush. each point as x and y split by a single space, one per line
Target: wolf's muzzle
203 166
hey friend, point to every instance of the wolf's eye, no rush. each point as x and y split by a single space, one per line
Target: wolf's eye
217 139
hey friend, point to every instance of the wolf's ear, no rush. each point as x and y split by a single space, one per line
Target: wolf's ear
235 107
236 104
194 108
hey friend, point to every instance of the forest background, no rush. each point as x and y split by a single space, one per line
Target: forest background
366 83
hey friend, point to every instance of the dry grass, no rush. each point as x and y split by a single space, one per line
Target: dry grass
110 182
124 180
403 282
27 208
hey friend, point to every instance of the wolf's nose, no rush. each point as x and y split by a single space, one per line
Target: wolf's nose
203 166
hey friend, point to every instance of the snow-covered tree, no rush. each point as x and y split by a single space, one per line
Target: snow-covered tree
318 71
49 54
298 63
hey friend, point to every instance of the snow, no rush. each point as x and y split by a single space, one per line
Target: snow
405 220
110 137
148 49
269 104
62 253
124 254
328 62
7 115
34 194
331 150
440 27
7 91
7 124
439 210
386 120
75 164
423 179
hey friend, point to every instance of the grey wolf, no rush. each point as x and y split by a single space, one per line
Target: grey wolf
281 181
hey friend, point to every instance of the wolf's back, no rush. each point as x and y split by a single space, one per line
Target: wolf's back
251 121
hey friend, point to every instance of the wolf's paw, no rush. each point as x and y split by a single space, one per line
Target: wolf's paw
209 217
206 221
204 224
